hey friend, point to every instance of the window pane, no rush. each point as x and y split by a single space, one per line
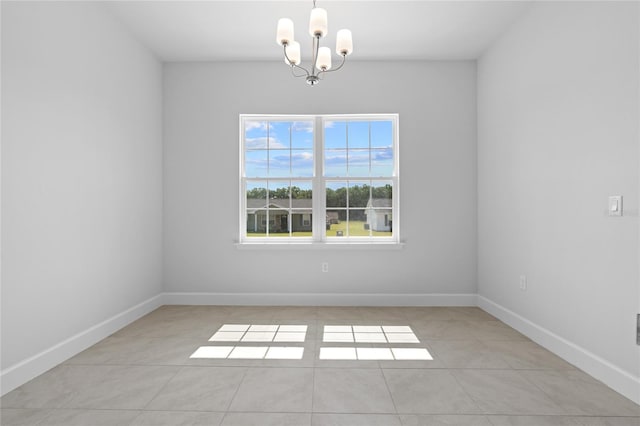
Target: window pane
359 162
381 134
256 223
302 163
382 162
279 135
255 163
279 195
302 205
280 163
302 190
382 190
358 223
379 215
336 194
278 223
335 163
301 223
255 134
335 134
256 193
358 134
302 135
358 195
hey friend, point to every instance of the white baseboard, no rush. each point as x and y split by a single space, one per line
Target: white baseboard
617 379
320 299
22 372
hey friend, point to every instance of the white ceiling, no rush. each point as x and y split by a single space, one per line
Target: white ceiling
382 30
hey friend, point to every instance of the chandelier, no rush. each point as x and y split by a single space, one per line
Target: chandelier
320 56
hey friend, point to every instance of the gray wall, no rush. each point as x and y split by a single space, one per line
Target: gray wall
557 134
437 106
81 173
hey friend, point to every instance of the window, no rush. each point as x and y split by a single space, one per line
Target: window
319 179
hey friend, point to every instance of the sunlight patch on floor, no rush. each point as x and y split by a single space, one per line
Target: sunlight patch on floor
368 334
247 352
260 333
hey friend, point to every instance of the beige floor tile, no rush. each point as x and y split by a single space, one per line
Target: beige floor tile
579 394
355 420
505 392
494 330
66 417
428 392
353 390
267 419
339 313
471 313
275 390
138 351
54 388
563 421
22 416
177 418
200 389
444 420
302 313
383 313
527 355
467 354
436 363
534 421
120 387
442 330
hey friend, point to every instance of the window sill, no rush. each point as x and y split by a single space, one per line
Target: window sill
319 246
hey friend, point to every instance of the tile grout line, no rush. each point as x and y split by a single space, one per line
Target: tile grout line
471 398
395 407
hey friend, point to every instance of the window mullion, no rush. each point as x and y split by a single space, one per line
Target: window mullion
318 185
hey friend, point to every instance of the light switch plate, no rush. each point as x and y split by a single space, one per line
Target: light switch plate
615 205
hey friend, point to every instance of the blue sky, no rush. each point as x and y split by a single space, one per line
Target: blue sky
283 149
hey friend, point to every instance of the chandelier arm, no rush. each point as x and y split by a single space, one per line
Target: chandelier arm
293 71
293 65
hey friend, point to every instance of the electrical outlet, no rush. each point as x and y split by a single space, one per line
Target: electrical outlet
325 266
523 282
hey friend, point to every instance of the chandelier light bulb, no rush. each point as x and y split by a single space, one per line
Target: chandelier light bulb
324 59
318 22
284 34
293 52
344 43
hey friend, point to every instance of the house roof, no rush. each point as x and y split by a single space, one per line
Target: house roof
303 203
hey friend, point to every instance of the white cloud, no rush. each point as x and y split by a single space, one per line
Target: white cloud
303 126
252 125
261 143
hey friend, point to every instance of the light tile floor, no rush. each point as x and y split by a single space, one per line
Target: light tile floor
482 373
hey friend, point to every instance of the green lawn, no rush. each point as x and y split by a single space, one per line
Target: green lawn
356 229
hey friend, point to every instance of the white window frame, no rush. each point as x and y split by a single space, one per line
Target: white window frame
318 214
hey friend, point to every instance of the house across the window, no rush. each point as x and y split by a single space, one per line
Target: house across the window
278 212
304 185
